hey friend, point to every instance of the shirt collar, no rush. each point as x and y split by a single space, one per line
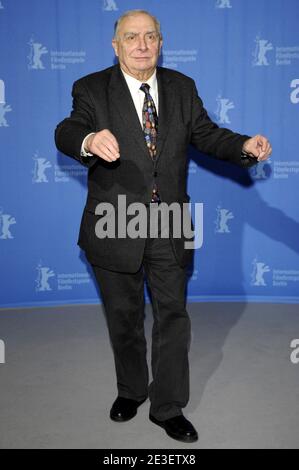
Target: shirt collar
135 84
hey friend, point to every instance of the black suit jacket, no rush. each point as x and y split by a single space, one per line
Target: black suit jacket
102 100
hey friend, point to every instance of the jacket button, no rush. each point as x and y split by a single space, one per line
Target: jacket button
155 174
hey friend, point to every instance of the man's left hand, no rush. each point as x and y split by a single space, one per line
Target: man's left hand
258 147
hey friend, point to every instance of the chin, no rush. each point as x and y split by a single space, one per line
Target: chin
143 66
143 69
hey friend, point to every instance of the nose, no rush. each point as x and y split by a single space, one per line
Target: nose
142 45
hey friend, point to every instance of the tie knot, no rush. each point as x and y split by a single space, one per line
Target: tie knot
145 88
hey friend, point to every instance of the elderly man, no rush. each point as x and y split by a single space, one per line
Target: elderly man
131 125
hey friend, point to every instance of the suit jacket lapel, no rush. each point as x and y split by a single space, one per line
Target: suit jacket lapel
122 100
166 94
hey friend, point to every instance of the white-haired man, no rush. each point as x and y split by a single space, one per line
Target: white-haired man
131 125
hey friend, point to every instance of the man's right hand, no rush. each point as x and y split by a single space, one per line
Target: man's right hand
104 145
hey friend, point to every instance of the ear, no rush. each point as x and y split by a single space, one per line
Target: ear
114 45
160 50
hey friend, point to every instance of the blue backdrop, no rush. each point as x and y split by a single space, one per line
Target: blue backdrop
244 57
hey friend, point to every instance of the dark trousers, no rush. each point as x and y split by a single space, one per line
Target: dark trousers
123 298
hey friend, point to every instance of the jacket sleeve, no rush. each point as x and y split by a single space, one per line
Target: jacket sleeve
70 132
209 138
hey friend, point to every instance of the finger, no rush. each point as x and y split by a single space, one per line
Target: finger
101 151
104 151
111 146
109 151
113 140
264 144
268 150
107 137
262 156
101 144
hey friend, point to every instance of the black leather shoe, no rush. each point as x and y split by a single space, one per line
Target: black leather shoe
124 409
178 428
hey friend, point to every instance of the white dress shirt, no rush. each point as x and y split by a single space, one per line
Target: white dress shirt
137 97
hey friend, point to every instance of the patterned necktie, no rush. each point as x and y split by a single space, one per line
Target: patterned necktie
150 130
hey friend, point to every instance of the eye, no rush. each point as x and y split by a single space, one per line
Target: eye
131 37
152 36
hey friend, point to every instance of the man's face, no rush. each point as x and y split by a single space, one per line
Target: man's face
137 45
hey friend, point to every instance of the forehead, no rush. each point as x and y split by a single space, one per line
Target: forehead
136 23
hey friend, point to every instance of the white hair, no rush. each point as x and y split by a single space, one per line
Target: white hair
133 13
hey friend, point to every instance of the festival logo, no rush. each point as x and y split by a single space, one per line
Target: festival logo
109 5
6 220
221 222
4 108
223 4
37 50
60 281
261 171
59 60
44 273
40 166
281 56
263 46
223 106
258 273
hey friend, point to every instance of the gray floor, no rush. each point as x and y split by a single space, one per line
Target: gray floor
58 384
